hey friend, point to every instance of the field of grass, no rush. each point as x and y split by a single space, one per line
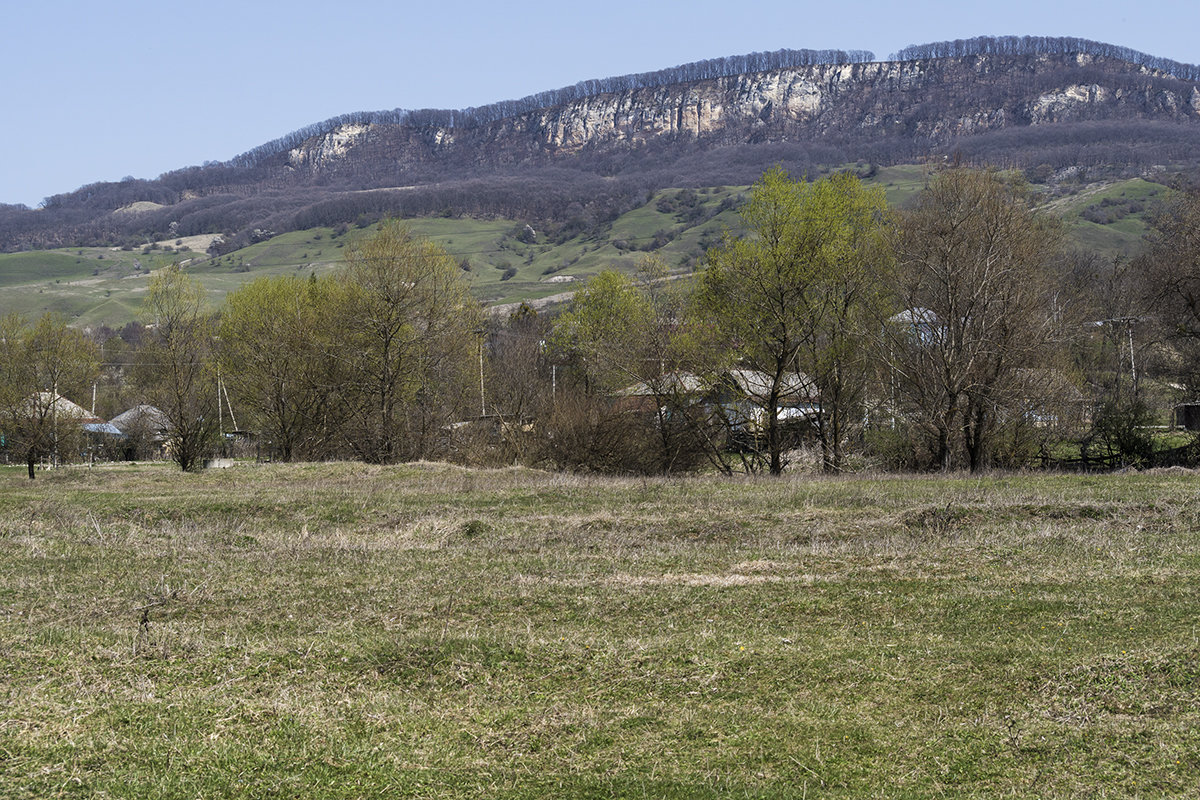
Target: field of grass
621 246
346 630
1119 237
88 285
103 285
901 184
107 286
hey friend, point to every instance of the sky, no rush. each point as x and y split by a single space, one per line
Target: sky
100 91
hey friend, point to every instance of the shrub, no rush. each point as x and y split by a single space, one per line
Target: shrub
1120 435
586 434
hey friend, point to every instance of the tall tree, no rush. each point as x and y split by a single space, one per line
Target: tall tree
409 332
795 293
272 347
519 377
38 365
177 366
1171 266
974 277
845 301
606 328
637 334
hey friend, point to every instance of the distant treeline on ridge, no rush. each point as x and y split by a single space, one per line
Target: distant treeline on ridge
1044 45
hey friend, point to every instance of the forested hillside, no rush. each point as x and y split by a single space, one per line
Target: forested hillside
586 154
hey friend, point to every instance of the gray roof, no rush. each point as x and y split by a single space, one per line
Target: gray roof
756 385
142 416
672 383
57 404
916 316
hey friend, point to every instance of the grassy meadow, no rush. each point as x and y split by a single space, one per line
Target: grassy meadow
344 630
98 285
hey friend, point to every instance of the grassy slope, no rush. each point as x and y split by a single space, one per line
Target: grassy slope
99 285
87 284
354 631
1120 238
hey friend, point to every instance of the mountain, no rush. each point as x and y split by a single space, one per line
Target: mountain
890 111
585 154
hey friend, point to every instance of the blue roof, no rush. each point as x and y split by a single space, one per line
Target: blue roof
103 427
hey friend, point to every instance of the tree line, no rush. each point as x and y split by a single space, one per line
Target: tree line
957 334
1044 45
368 363
710 69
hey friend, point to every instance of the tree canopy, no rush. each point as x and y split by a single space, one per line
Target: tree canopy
39 364
794 293
974 280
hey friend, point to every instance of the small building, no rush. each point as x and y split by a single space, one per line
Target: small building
54 428
48 404
145 429
644 396
923 324
1186 416
745 394
1048 398
738 398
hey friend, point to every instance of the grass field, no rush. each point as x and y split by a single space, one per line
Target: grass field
104 285
355 631
94 286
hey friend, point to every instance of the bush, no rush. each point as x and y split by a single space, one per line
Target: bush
1120 435
586 434
895 449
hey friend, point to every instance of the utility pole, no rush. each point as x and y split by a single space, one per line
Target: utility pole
229 405
220 410
1132 363
482 402
54 423
1128 323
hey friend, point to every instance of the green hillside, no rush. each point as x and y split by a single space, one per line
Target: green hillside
508 261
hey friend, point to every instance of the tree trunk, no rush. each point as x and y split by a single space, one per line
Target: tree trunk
976 436
774 443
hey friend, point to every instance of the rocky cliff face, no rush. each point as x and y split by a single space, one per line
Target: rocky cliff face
930 101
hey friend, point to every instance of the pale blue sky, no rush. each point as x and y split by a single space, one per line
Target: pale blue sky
95 91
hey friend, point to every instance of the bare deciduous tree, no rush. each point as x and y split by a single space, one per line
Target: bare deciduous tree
177 367
406 342
974 281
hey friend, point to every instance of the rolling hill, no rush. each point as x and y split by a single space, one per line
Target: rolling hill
508 261
530 194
